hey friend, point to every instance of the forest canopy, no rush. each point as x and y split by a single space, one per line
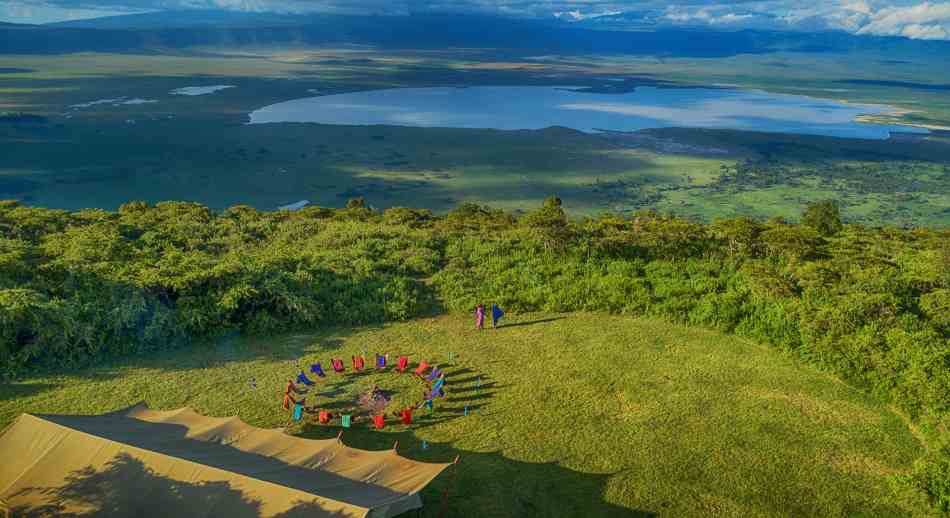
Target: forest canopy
871 305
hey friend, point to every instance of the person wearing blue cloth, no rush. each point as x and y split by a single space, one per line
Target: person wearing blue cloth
496 314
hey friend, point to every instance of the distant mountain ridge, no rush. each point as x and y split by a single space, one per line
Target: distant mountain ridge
181 19
182 29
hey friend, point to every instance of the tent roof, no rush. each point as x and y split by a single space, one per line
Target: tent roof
208 466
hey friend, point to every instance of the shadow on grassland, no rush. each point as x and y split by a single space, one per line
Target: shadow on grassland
125 487
10 391
482 484
488 484
175 351
503 324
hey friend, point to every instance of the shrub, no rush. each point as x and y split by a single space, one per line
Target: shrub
824 217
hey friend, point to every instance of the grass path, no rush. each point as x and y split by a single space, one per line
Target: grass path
574 415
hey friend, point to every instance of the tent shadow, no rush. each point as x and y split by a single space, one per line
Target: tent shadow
483 484
491 484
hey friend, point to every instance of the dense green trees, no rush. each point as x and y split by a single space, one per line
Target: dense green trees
824 217
868 304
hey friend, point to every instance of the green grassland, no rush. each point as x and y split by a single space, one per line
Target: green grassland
570 415
200 149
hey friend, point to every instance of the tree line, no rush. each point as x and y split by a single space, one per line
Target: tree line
871 305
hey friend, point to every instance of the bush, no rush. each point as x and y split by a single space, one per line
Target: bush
824 217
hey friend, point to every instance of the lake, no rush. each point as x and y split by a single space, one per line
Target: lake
536 107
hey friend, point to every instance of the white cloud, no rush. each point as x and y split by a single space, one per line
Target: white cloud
920 20
38 12
924 21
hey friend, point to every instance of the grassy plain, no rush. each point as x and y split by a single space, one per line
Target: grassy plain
570 415
199 148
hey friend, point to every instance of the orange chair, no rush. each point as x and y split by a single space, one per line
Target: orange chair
421 369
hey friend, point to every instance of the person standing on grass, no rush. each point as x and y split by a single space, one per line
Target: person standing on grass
496 314
480 316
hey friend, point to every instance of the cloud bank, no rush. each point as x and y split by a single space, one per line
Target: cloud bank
918 19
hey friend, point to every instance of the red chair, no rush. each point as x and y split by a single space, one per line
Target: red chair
324 417
379 422
338 365
406 415
403 363
358 363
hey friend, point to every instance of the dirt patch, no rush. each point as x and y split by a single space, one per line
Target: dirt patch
374 401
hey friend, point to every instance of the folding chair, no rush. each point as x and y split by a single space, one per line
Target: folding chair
318 370
380 361
421 369
402 364
338 365
302 378
379 422
437 386
358 363
345 420
298 410
434 374
406 415
324 417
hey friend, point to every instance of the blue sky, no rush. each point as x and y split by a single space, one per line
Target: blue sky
909 18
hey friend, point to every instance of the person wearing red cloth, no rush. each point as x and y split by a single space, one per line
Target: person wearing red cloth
288 400
288 394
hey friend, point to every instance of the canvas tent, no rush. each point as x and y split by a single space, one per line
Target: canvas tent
142 462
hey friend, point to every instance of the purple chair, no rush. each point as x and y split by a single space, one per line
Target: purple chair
318 370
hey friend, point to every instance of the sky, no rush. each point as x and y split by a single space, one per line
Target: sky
917 19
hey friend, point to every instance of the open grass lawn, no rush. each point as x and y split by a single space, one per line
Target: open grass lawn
570 415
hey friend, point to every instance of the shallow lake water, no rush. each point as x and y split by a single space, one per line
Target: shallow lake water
536 107
199 90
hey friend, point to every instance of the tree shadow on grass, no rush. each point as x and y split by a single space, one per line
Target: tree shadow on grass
10 391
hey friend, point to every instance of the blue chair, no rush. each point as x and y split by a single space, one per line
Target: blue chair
302 378
318 370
